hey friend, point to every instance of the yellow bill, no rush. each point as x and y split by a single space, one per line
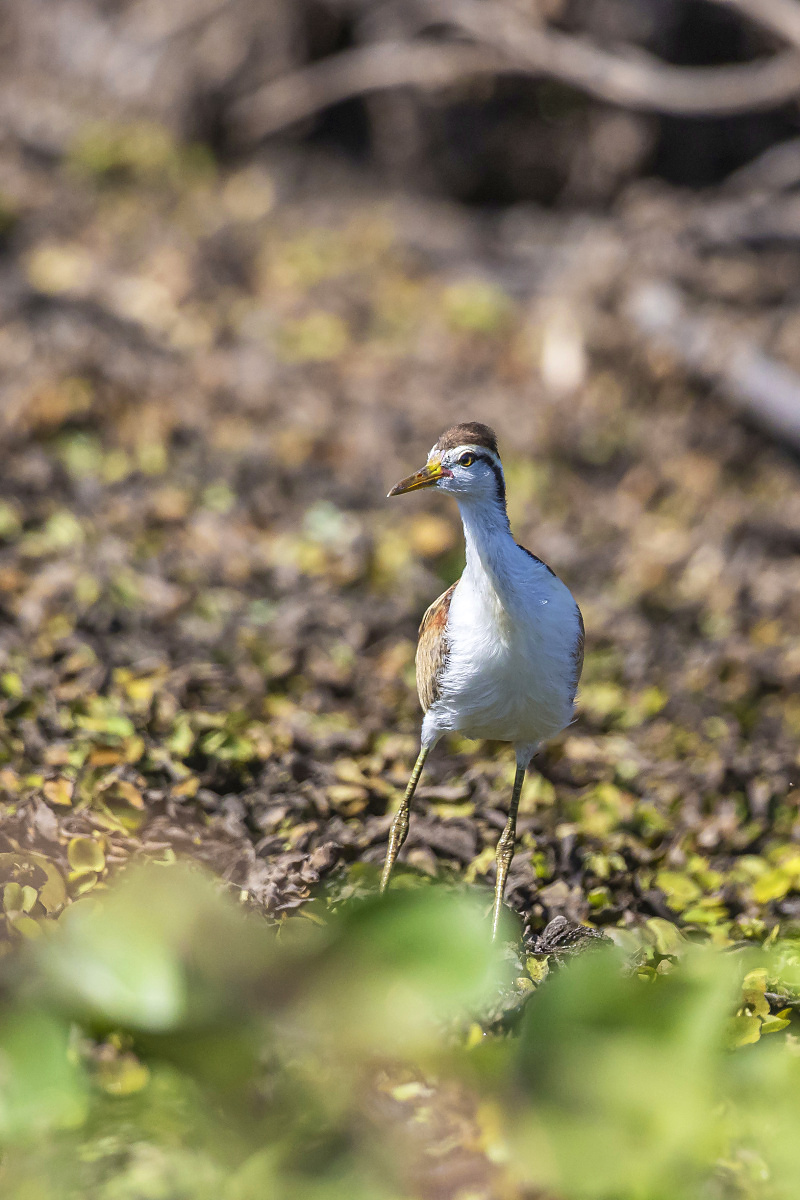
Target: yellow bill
429 476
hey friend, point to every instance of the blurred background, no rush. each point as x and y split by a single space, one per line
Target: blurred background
255 256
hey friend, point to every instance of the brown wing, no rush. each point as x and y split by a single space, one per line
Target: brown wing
432 649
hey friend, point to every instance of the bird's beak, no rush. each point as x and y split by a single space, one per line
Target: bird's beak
429 476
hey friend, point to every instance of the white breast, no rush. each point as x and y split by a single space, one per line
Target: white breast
512 634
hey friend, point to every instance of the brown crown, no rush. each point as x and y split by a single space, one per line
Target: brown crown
470 433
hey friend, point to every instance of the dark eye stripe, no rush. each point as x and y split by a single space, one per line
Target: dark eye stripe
498 475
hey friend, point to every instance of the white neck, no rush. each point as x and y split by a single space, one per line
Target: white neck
489 544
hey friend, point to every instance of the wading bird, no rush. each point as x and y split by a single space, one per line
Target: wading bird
500 652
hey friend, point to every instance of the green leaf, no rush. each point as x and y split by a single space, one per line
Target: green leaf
159 950
680 889
743 1030
775 1024
398 966
755 980
10 524
52 893
181 740
620 1077
85 855
26 926
11 684
755 1000
667 937
41 1089
773 885
12 897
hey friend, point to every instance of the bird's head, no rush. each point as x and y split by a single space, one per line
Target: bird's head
464 462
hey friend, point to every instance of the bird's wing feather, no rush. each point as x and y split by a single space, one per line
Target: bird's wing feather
577 653
432 649
536 558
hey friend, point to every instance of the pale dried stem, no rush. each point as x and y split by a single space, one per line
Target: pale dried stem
504 41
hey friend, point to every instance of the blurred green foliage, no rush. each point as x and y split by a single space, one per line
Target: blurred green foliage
142 150
160 1040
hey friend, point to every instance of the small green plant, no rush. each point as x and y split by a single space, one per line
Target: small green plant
162 1040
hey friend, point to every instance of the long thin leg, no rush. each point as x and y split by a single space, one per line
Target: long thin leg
505 848
399 830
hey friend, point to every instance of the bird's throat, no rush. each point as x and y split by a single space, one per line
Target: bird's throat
489 548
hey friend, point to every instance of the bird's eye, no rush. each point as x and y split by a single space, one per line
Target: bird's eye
467 460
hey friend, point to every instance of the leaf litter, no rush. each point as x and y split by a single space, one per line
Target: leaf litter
209 611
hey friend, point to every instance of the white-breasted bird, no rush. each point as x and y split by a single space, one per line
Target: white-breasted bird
500 653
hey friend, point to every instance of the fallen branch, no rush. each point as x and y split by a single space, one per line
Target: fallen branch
515 47
760 387
305 92
639 81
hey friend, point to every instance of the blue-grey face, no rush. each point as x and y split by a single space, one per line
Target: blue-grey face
470 471
466 471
